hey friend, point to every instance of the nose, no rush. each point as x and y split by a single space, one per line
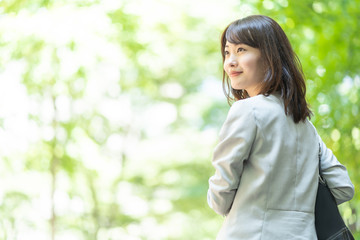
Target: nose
232 62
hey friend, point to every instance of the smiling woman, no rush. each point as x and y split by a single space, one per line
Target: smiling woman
266 161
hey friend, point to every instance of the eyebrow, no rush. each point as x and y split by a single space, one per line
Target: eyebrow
236 44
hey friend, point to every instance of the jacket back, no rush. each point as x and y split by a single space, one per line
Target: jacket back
267 173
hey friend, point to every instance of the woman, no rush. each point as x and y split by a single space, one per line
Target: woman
266 162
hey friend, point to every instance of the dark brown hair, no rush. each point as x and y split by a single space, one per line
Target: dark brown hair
283 68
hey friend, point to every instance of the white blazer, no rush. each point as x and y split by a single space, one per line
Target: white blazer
266 175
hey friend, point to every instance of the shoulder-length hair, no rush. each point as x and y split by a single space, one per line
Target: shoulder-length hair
283 73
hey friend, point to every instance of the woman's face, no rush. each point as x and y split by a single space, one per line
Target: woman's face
244 66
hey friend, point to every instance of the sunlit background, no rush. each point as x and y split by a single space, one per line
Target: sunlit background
110 110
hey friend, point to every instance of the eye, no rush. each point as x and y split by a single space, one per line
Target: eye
240 49
226 52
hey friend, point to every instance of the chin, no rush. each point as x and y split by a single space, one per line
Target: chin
236 87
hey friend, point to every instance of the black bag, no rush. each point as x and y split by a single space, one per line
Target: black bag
328 221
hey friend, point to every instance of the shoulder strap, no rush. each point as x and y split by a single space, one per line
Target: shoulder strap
321 178
319 157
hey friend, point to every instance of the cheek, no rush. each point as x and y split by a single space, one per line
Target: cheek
224 66
250 62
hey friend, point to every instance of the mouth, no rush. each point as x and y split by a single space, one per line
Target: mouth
234 74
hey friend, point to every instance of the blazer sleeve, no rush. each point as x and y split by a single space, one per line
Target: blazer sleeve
235 141
336 175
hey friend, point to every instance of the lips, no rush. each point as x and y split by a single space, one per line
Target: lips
234 73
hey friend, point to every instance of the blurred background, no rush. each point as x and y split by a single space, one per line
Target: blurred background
110 110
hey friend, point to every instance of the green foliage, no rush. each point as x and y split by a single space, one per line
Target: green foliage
111 109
